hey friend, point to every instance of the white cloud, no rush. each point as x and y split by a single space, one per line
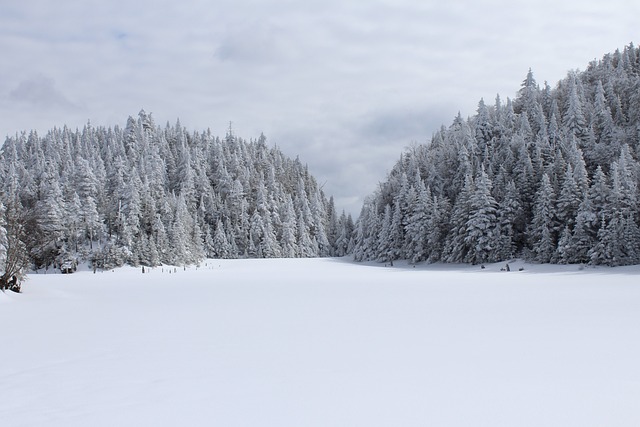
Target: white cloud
40 92
256 43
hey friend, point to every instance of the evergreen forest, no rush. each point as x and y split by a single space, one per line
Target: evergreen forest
147 195
551 176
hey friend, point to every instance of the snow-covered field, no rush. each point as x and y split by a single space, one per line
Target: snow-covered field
323 342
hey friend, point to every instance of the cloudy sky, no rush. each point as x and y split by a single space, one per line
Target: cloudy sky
345 85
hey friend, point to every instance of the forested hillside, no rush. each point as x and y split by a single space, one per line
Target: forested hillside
552 175
146 195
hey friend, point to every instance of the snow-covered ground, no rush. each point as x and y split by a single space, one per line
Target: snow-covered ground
323 342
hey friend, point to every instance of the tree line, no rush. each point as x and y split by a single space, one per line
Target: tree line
146 195
551 176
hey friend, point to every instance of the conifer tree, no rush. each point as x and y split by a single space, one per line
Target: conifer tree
220 245
566 249
343 242
510 223
574 120
385 250
305 244
3 238
568 200
14 255
542 235
482 234
50 219
288 240
528 95
584 233
418 227
457 247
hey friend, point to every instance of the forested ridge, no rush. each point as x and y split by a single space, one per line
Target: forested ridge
146 195
551 176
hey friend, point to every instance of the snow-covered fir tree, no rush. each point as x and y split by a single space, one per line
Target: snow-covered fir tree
3 239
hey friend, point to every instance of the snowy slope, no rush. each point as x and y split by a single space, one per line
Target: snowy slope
323 342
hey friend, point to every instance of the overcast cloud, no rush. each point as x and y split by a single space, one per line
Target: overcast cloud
345 85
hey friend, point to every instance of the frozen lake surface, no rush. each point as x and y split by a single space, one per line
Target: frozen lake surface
323 342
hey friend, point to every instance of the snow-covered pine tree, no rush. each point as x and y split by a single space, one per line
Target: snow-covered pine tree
14 257
417 248
568 200
3 239
457 247
542 235
385 250
345 236
510 223
482 235
288 239
220 246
